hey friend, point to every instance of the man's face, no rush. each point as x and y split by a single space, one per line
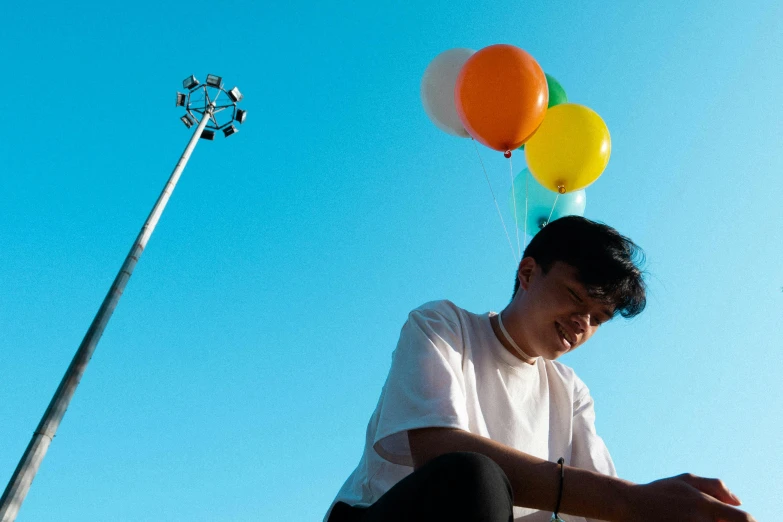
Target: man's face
556 313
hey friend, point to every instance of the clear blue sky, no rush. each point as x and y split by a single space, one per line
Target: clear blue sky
238 373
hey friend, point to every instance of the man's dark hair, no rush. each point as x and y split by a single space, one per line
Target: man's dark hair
607 263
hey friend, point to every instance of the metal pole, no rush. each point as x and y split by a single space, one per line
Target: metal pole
20 482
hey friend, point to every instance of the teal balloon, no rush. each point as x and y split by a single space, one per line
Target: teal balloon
540 201
557 95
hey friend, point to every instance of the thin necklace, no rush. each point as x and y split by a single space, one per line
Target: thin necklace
525 357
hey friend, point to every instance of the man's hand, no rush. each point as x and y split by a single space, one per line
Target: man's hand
687 498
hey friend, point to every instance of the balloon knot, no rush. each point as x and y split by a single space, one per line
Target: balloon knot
561 189
507 154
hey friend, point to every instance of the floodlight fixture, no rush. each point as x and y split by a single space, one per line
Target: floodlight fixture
235 95
190 82
211 106
215 81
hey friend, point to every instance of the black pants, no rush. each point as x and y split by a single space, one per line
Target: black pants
456 487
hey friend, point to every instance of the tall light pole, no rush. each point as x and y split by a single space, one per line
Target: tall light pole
209 115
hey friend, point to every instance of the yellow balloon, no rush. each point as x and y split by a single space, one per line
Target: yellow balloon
570 149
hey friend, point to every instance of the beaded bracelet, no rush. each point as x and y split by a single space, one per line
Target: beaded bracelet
555 517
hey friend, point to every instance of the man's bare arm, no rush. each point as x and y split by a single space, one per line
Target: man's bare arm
535 483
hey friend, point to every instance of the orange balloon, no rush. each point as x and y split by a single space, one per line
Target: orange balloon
501 96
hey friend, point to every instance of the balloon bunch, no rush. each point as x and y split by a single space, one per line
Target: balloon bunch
501 97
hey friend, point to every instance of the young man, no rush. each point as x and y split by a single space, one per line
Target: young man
475 411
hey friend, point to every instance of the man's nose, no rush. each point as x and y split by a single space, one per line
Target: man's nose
581 321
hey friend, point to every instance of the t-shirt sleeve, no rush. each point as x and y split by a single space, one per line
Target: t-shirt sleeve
589 450
425 387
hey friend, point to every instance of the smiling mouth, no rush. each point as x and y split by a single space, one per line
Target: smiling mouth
564 338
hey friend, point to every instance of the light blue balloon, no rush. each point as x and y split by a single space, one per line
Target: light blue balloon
540 201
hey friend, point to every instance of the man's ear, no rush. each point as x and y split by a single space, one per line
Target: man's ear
527 267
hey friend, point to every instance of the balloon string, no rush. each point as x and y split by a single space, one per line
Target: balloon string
514 199
514 254
527 175
553 209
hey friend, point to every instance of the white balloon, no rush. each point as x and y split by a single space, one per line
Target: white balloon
437 90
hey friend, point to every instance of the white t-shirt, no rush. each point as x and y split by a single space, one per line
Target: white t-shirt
449 370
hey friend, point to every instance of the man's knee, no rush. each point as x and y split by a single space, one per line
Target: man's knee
472 474
454 486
